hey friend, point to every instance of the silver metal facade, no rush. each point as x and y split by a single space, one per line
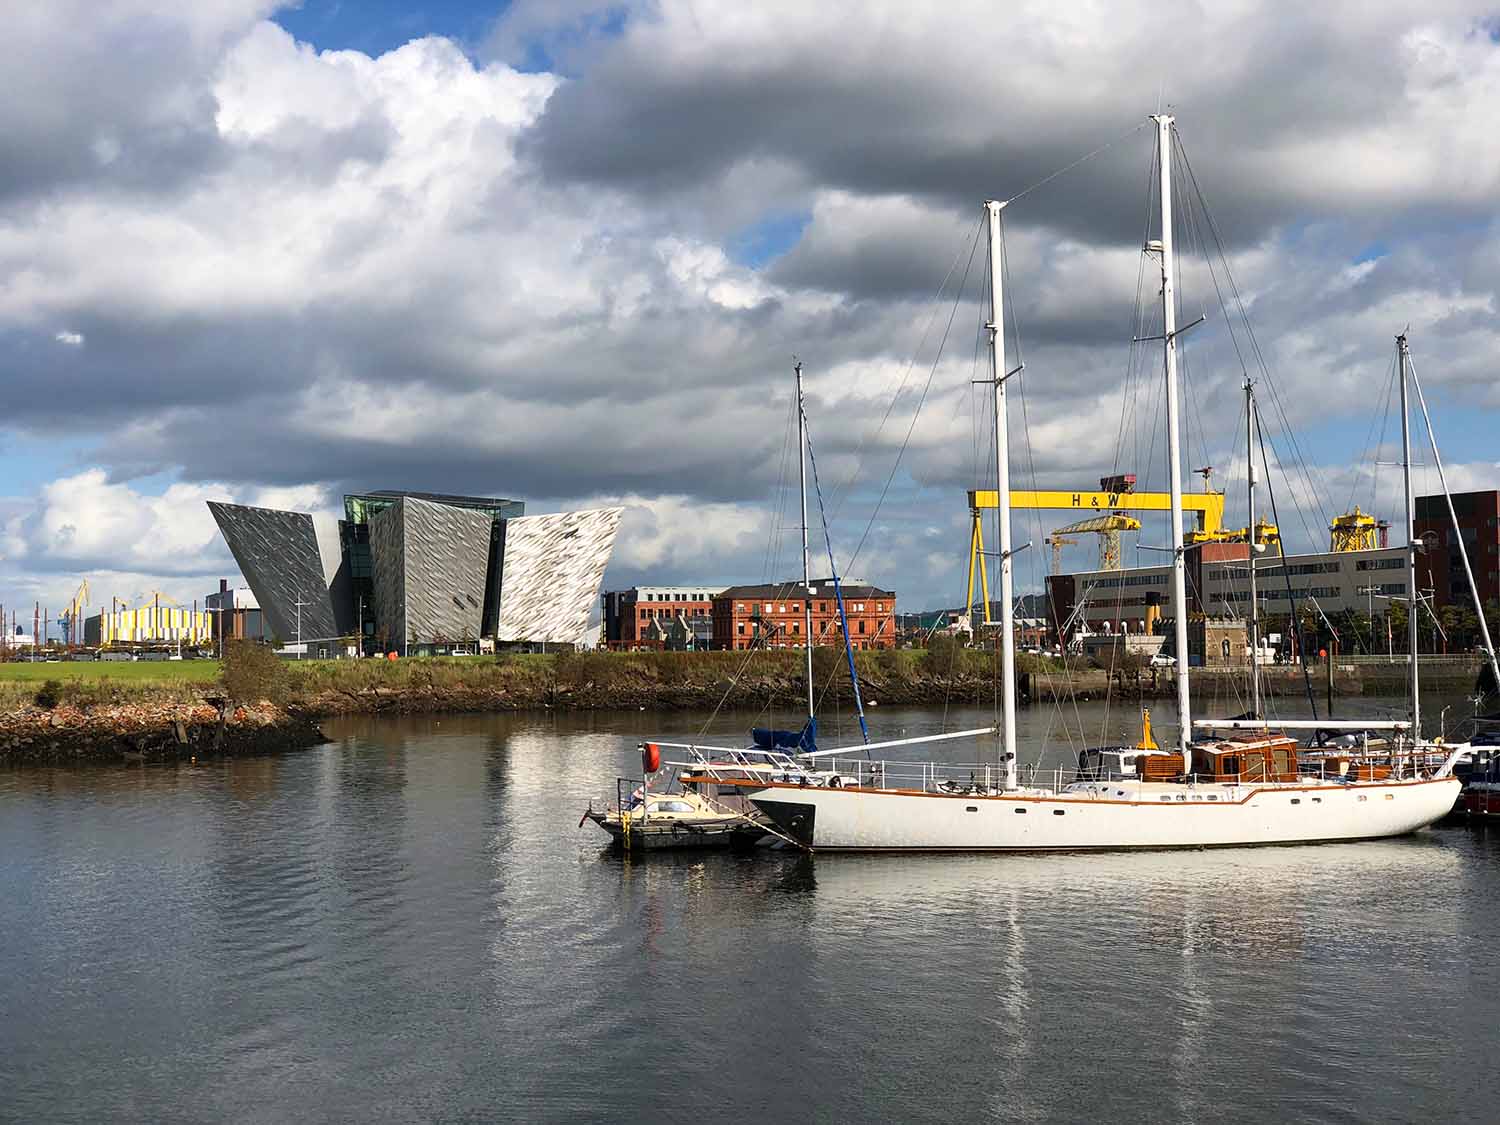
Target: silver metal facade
553 568
277 552
430 562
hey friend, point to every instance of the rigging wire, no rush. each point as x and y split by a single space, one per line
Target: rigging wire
917 413
1069 167
841 492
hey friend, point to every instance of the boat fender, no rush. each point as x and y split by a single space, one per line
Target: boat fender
650 757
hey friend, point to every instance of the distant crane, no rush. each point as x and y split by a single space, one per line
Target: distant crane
71 618
1108 529
1057 541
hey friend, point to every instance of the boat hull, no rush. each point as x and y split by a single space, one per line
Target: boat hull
1482 801
1144 816
678 834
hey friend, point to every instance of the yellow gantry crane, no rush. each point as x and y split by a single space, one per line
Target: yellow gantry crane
1115 496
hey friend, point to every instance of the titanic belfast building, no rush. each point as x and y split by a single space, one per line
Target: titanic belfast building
418 569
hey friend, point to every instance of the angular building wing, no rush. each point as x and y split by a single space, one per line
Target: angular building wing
553 567
278 554
430 562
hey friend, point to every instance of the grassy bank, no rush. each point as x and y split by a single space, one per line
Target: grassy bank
608 680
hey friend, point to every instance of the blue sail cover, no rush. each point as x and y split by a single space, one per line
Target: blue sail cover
804 741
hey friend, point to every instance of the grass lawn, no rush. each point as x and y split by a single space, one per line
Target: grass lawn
122 671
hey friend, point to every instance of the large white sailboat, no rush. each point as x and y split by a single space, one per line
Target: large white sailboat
1246 788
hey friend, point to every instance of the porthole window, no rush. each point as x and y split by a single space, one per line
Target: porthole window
1021 811
971 808
1058 812
1213 796
1296 800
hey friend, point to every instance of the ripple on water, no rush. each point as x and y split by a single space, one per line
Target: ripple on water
408 923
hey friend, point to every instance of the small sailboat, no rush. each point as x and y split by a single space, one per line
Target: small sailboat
641 819
1242 785
704 803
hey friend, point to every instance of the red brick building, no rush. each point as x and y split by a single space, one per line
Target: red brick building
1440 568
772 616
640 616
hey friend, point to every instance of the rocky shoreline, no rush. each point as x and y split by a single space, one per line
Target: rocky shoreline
148 730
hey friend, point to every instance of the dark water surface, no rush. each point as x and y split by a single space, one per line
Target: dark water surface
409 924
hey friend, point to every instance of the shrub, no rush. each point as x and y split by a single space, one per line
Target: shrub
251 672
49 695
941 657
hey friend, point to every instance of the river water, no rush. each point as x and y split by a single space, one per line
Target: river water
409 924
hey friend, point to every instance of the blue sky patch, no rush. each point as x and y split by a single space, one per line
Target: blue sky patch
768 238
377 26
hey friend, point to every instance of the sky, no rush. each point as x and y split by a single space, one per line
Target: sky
567 252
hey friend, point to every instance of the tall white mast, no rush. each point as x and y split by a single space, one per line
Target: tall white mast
998 373
1463 551
1250 516
807 633
1174 444
1414 602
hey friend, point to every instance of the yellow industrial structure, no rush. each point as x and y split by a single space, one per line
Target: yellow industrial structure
1266 533
1057 541
1108 529
1355 531
1115 496
152 623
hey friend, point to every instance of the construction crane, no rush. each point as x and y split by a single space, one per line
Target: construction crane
1108 529
1057 541
71 618
1115 494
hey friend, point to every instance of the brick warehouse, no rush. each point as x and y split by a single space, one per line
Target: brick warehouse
773 612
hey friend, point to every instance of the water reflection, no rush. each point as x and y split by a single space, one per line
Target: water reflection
409 923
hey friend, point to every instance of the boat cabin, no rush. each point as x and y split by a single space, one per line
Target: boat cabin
1267 758
1114 763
